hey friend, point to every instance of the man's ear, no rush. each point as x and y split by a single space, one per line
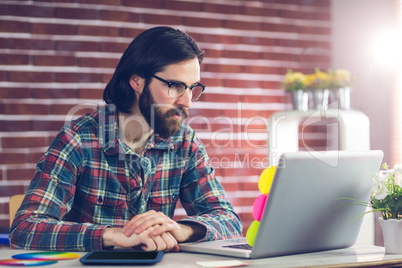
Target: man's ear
137 83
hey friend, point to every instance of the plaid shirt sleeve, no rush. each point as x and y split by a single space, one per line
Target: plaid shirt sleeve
38 223
204 199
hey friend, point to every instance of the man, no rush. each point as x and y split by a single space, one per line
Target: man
114 177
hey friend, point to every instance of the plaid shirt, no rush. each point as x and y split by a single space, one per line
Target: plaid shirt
89 180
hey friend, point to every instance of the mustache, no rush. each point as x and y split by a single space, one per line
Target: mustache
181 111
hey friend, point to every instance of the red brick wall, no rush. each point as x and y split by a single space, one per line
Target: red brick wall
56 54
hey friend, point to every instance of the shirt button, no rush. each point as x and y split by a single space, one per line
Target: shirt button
100 199
174 197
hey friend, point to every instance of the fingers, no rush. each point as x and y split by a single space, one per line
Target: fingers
164 242
146 220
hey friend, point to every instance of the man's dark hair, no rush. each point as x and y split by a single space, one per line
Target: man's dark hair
150 52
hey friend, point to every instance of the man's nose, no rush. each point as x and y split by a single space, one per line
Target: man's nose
185 99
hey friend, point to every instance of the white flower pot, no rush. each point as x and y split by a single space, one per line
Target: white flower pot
392 233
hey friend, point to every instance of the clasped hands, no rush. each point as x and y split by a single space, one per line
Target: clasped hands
151 230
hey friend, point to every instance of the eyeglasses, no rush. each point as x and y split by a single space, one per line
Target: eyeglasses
177 89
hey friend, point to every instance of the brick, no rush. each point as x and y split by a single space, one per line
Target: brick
98 62
182 5
3 76
61 1
105 77
31 11
232 187
270 84
101 2
114 47
12 158
52 29
262 99
124 16
62 109
219 97
240 113
262 70
315 58
243 201
90 93
242 25
3 43
23 142
221 68
314 30
242 83
275 27
163 19
248 186
241 172
222 9
130 32
76 77
34 157
280 56
53 93
10 26
10 190
3 9
220 39
214 53
46 125
141 3
32 44
203 22
259 11
206 113
98 30
27 76
251 40
14 93
242 54
212 82
54 60
75 110
76 13
26 108
77 46
13 125
20 174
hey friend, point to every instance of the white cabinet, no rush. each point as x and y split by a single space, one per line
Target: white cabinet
346 130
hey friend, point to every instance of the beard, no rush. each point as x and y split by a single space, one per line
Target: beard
163 123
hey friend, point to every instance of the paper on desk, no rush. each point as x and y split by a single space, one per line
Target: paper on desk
222 264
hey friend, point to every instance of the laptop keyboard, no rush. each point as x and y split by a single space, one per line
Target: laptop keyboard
239 246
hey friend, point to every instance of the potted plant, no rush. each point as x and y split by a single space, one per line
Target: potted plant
295 83
340 87
317 83
386 198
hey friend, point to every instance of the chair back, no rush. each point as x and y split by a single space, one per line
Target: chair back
14 204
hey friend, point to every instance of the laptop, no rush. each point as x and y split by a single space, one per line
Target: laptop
303 212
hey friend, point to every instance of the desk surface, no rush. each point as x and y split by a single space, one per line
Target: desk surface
356 256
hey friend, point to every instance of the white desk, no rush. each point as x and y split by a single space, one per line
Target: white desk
356 256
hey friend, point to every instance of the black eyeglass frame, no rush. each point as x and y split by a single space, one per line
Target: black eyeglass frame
170 84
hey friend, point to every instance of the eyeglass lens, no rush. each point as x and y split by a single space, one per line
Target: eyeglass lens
177 90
